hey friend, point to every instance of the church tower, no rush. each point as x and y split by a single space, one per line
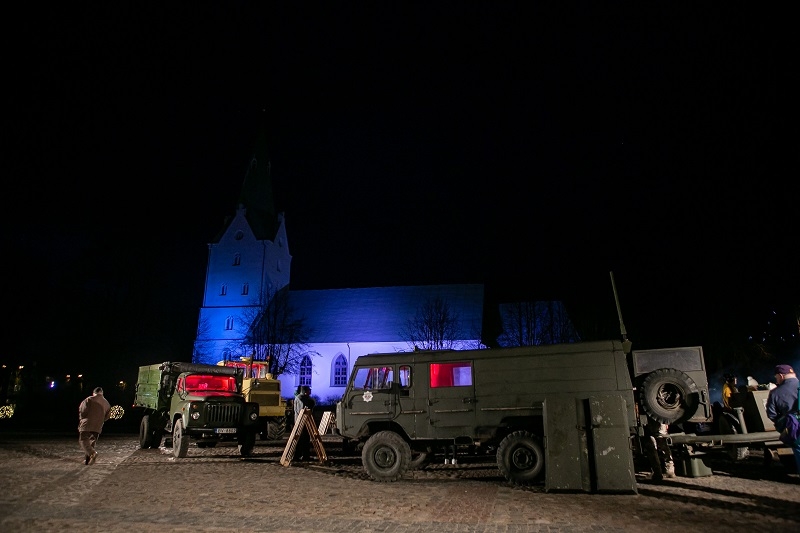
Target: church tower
247 261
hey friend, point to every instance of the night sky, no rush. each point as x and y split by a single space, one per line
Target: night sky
528 148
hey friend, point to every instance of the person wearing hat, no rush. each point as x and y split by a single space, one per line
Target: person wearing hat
783 399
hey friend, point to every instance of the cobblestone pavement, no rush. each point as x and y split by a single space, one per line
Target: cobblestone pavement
45 487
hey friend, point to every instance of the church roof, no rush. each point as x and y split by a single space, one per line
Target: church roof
256 194
379 314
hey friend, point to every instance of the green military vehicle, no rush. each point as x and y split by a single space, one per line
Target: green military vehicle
577 403
189 401
580 408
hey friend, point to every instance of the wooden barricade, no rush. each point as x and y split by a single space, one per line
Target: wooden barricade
328 420
305 422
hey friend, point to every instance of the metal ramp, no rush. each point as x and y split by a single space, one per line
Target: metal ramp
304 423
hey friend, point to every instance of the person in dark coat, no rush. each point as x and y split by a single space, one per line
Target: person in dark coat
782 400
92 414
303 400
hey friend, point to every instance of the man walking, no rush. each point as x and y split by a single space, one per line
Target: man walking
92 413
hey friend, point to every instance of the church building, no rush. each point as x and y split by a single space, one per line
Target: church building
249 260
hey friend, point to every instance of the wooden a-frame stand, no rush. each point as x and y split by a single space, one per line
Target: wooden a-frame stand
305 422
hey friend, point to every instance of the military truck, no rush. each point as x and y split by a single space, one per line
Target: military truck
259 386
576 402
198 402
580 407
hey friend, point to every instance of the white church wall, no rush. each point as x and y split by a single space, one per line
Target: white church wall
322 379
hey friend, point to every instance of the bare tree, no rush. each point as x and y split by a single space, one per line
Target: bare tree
203 344
275 334
535 323
435 326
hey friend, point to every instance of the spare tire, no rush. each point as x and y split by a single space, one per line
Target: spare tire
669 396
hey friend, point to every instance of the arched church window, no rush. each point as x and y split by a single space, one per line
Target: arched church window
237 259
223 290
239 235
339 371
245 288
305 371
229 323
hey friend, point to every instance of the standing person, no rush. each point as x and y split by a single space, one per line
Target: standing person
658 451
783 399
303 400
728 389
92 414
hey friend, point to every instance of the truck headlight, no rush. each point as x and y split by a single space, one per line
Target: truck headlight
195 415
254 416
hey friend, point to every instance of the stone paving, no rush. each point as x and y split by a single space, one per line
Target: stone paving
45 487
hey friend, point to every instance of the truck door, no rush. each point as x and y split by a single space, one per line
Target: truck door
451 398
373 395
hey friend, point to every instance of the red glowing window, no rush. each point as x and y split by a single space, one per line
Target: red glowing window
209 383
451 375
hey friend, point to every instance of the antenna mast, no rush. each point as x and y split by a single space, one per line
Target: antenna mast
625 342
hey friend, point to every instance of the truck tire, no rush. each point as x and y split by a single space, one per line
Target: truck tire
520 458
276 429
386 456
180 441
150 432
145 433
246 443
669 396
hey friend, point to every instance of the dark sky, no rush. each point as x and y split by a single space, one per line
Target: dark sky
529 148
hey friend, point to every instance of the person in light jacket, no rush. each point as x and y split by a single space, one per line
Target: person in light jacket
92 414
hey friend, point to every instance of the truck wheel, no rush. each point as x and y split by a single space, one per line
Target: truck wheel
246 443
669 396
145 433
276 428
386 456
520 458
729 426
180 441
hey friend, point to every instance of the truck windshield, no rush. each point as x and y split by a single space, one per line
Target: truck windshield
209 383
381 377
373 378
